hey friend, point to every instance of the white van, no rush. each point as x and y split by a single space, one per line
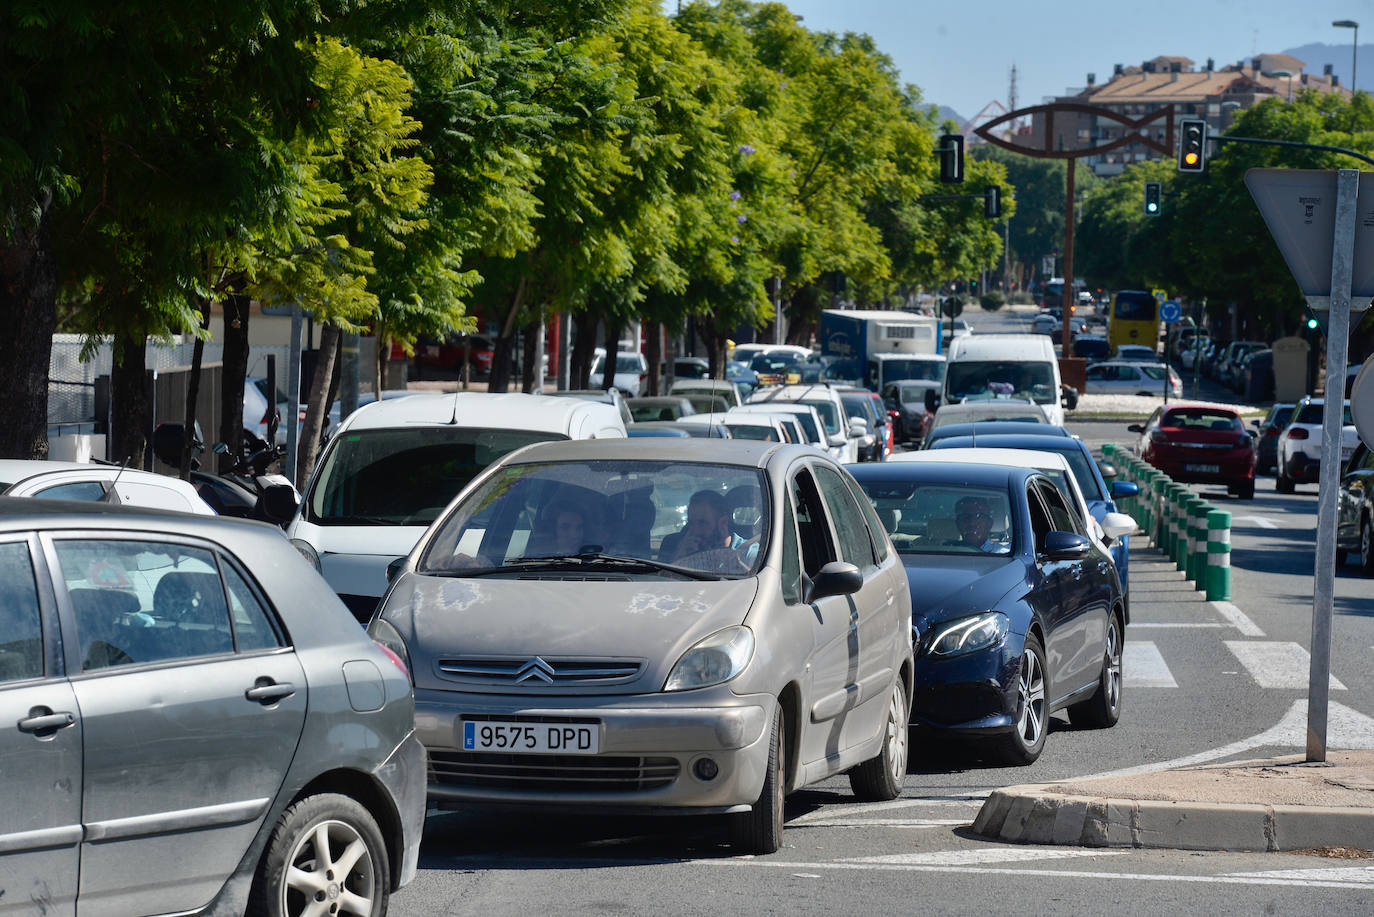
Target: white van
987 366
393 466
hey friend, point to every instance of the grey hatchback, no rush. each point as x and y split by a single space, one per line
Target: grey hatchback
688 626
195 723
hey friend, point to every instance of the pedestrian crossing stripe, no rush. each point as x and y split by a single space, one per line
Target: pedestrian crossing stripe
1143 666
1276 664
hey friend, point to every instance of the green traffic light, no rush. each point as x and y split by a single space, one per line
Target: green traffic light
1152 206
1312 323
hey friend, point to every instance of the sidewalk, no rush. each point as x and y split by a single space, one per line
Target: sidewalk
1210 807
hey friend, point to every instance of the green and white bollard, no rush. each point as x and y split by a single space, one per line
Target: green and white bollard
1159 533
1177 524
1218 556
1197 556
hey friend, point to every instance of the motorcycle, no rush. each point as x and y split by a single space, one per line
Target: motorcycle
246 490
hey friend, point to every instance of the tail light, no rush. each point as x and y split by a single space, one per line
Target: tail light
390 654
1158 437
1298 433
1272 431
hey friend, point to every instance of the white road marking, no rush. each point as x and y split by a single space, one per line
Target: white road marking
1238 619
1055 874
1345 729
1158 624
983 856
1362 874
1259 521
1142 666
1276 664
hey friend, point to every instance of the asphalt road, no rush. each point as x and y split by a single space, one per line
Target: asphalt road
1204 682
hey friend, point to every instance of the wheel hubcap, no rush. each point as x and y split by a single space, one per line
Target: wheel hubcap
897 734
1113 666
330 872
1367 544
1030 701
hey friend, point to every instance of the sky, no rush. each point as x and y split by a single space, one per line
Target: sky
960 52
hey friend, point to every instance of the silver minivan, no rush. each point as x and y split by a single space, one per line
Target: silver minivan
690 626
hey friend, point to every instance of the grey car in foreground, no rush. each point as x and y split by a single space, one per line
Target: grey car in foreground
194 724
672 626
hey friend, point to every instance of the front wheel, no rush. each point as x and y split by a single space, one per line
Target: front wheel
1024 743
1103 709
759 831
1367 547
880 778
326 857
1246 490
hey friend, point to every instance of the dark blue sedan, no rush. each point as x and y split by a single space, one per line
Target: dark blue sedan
1100 497
1016 612
979 429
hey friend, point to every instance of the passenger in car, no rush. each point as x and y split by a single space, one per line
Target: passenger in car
974 520
563 530
707 529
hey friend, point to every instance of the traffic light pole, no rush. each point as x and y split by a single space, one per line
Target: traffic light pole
1226 138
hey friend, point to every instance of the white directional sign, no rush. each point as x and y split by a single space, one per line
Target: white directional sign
1362 403
1170 312
1299 207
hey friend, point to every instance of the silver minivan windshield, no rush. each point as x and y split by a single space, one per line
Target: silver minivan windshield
404 476
690 519
967 378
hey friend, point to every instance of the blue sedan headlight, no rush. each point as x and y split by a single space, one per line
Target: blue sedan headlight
968 635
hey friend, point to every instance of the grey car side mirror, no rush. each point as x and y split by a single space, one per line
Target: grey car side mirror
835 578
394 568
1065 546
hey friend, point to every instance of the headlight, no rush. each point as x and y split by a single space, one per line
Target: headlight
390 640
307 552
718 658
970 634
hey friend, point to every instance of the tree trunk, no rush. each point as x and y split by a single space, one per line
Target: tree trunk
584 346
654 354
235 374
28 301
318 405
379 366
529 370
612 345
499 381
188 452
715 343
129 385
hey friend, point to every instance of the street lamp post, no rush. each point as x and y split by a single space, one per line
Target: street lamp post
1289 74
1355 49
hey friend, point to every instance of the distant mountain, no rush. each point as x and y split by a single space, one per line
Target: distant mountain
949 114
1317 56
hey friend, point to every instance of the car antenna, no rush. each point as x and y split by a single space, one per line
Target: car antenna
111 497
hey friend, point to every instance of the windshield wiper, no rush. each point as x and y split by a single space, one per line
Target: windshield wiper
357 520
607 560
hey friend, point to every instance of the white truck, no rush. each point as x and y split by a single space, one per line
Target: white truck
874 347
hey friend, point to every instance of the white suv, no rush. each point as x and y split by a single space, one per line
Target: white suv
1300 445
842 435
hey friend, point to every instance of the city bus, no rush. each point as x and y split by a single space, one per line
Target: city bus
1133 319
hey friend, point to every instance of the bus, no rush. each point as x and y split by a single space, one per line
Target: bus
1133 319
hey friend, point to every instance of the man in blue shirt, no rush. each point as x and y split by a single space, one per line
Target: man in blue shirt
707 529
974 519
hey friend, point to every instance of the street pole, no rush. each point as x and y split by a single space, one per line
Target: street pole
1068 258
1333 410
1197 341
293 398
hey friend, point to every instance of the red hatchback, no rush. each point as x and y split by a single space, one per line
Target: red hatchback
1200 444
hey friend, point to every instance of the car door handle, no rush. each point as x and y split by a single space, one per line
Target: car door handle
891 596
45 722
269 692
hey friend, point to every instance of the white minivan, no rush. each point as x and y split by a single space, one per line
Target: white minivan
986 366
393 466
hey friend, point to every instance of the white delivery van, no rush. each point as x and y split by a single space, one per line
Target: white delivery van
985 366
393 466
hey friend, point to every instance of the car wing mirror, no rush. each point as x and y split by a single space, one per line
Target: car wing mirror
858 427
279 502
1108 470
394 569
932 401
835 578
1136 428
1117 525
1065 546
1122 489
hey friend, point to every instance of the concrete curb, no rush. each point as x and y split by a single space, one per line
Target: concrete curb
1031 814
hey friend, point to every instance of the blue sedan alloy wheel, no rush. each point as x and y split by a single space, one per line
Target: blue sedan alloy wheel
1103 709
1026 741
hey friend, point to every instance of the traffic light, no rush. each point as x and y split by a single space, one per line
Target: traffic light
1312 324
992 202
1192 145
1152 191
951 153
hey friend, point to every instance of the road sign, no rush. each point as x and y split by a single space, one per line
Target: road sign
1170 312
1299 207
1362 403
1160 295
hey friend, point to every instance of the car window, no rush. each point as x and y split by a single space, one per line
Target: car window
1312 414
856 547
1202 419
813 532
1128 372
253 626
1064 519
925 518
89 491
143 601
1041 524
21 631
876 526
791 556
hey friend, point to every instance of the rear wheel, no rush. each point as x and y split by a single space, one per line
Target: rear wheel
1103 709
880 778
1023 744
759 830
1246 490
326 857
1282 482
